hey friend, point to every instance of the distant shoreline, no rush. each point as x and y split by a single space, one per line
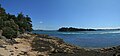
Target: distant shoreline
81 29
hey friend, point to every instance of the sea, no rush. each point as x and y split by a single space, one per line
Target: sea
87 39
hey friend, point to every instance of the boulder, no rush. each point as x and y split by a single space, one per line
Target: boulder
1 32
3 37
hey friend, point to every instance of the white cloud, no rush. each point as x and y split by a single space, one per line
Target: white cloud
40 22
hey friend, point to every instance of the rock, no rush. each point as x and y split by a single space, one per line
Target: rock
56 51
18 55
23 35
3 37
11 51
3 42
118 54
23 53
16 48
1 32
1 55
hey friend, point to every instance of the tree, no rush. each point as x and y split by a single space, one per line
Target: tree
11 24
28 23
24 23
1 23
2 10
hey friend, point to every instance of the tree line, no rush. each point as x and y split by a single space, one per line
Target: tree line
71 29
12 25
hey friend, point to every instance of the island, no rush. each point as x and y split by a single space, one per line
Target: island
71 29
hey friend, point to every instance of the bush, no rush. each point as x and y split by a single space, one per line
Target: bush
8 32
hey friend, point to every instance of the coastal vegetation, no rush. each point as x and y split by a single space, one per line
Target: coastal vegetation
12 25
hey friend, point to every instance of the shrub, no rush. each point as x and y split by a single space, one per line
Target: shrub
8 32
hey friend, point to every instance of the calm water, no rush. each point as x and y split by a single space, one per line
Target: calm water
88 39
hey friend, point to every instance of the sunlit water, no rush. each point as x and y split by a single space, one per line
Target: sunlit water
88 39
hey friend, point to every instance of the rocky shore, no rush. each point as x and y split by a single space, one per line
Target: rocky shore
44 45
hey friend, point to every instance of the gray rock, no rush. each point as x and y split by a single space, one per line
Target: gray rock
1 32
3 37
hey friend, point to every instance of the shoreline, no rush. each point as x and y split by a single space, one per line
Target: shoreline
45 45
87 39
107 51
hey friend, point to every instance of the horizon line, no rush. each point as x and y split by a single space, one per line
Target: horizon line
83 28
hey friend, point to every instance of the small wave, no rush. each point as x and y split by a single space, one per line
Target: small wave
110 32
73 33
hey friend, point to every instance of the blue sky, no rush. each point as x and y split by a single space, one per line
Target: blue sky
52 14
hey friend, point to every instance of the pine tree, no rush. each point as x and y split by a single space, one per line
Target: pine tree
10 24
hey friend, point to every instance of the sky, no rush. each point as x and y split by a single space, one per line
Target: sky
53 14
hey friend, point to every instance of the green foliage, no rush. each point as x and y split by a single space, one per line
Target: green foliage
24 23
9 32
1 23
11 24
